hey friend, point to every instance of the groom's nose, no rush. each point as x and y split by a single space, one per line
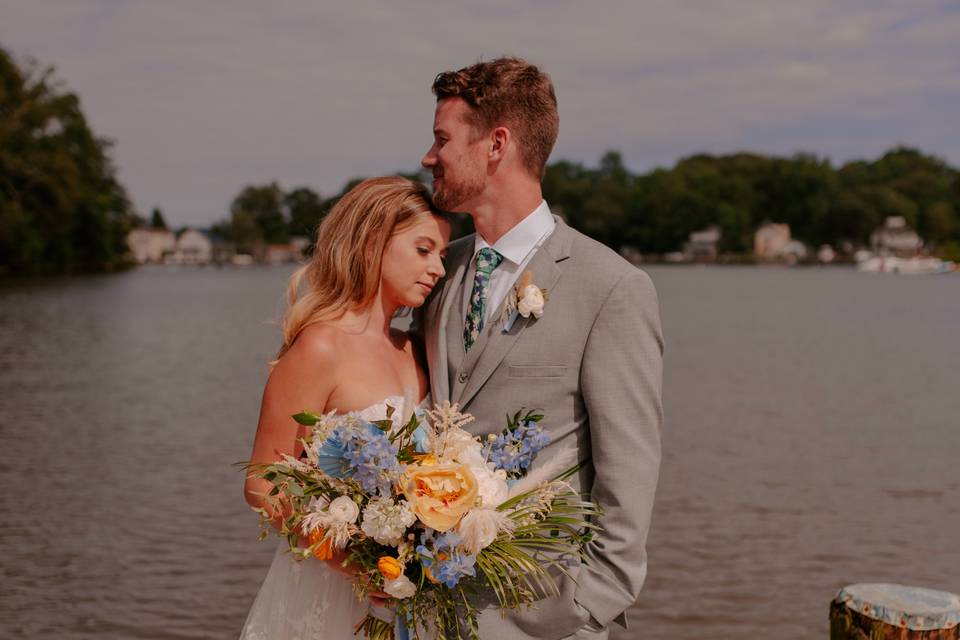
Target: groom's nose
429 159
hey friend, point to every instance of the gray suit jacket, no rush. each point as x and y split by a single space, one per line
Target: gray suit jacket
593 363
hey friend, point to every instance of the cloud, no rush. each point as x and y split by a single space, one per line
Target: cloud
204 97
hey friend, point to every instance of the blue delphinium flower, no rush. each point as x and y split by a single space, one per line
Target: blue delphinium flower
363 451
513 451
446 563
455 566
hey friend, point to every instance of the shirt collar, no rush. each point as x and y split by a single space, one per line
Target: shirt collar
517 243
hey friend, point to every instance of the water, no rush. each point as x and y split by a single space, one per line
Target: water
812 436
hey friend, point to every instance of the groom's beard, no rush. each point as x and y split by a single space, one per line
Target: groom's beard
452 195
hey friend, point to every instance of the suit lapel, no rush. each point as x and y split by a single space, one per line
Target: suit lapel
436 338
494 344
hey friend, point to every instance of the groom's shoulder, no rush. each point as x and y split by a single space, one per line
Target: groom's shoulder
598 264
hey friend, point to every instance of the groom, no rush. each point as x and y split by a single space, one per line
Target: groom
591 361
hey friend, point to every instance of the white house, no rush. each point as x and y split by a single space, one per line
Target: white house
193 247
150 245
280 254
770 240
895 238
703 244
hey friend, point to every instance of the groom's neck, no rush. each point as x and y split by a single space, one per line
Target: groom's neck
503 206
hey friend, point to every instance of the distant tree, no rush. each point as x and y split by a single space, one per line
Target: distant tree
257 215
305 209
62 208
156 220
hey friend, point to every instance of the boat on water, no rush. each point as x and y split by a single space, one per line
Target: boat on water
907 266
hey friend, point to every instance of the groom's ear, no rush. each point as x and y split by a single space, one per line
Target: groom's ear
499 141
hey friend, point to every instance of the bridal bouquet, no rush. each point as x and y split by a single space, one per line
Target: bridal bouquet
425 512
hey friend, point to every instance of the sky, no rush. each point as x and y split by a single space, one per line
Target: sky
203 97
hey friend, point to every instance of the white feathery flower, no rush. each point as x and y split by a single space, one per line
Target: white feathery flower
311 521
400 587
445 416
338 533
337 516
295 464
387 521
328 422
545 471
480 527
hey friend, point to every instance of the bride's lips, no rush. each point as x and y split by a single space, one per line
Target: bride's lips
427 287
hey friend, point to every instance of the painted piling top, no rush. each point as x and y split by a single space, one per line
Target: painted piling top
915 608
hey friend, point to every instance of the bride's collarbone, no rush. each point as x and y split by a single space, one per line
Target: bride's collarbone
365 379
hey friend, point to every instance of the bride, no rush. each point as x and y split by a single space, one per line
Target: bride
378 250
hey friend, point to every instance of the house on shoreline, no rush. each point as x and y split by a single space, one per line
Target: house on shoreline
895 238
151 245
770 241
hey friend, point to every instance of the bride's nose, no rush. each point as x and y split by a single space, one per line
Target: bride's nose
436 268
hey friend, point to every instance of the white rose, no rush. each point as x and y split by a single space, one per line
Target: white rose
471 456
531 301
456 443
343 510
480 527
492 487
400 587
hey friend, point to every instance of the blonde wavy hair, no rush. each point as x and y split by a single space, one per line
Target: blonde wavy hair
344 273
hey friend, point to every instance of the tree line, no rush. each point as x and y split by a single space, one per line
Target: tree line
655 212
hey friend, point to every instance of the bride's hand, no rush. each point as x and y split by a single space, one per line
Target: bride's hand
336 562
378 598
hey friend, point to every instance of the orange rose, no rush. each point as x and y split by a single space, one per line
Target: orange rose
440 494
389 568
325 550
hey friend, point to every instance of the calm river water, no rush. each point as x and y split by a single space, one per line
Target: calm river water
812 441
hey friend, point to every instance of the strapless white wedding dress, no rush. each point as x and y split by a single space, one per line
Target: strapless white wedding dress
305 599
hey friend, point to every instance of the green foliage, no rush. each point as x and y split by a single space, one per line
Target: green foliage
61 207
655 212
305 208
157 221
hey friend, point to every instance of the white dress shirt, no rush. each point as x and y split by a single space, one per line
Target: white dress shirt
517 247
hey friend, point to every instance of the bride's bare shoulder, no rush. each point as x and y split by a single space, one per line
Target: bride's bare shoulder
318 345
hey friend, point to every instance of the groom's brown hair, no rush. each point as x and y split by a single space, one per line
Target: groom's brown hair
508 92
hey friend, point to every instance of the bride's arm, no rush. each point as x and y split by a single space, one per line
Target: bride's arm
303 379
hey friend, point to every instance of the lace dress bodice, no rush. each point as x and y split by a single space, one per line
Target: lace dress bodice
379 411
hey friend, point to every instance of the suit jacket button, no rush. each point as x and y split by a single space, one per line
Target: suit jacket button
463 377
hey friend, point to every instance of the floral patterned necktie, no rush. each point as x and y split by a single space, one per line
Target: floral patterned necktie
487 261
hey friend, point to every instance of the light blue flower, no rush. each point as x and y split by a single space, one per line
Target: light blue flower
364 452
420 439
513 451
446 563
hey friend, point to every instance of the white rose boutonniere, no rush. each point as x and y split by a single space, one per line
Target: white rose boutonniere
531 300
527 299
